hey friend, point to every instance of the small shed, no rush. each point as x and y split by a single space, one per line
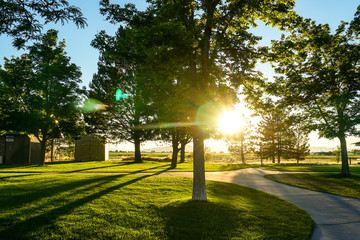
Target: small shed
91 148
18 148
15 149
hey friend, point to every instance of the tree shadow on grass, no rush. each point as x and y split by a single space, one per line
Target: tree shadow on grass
93 168
23 229
199 220
23 196
5 178
32 165
31 224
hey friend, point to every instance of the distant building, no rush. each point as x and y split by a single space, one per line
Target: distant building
18 148
91 148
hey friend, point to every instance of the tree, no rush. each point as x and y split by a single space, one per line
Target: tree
299 144
279 133
239 143
272 130
319 73
41 92
172 111
185 139
19 19
123 119
179 137
257 147
206 40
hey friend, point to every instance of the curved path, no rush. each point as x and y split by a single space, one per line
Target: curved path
335 217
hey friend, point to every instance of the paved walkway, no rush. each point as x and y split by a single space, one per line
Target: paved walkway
335 217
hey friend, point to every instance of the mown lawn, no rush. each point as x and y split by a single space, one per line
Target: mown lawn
116 166
323 182
99 206
310 168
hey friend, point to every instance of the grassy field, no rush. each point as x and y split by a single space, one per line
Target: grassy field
116 166
322 182
310 168
98 206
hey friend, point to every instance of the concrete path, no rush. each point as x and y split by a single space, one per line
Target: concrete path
335 217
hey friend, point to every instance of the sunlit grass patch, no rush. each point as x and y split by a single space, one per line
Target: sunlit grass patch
348 186
310 168
74 206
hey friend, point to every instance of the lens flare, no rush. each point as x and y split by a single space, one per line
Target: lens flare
205 118
206 114
92 105
119 95
230 122
163 125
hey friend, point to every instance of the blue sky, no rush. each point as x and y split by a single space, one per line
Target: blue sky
82 54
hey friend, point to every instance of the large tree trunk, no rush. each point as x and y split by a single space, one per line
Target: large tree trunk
174 157
42 151
182 151
344 157
52 150
199 187
137 151
175 149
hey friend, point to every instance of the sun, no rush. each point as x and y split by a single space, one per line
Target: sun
230 122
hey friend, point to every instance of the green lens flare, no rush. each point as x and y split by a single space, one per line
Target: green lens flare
119 95
91 105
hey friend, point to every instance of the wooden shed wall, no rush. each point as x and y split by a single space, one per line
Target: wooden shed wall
89 148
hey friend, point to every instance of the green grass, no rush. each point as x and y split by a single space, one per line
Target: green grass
323 182
98 206
115 166
310 168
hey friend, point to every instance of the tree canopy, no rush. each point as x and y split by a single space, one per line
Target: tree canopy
319 72
21 19
117 69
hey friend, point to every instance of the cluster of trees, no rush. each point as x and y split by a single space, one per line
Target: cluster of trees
177 61
277 136
39 92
